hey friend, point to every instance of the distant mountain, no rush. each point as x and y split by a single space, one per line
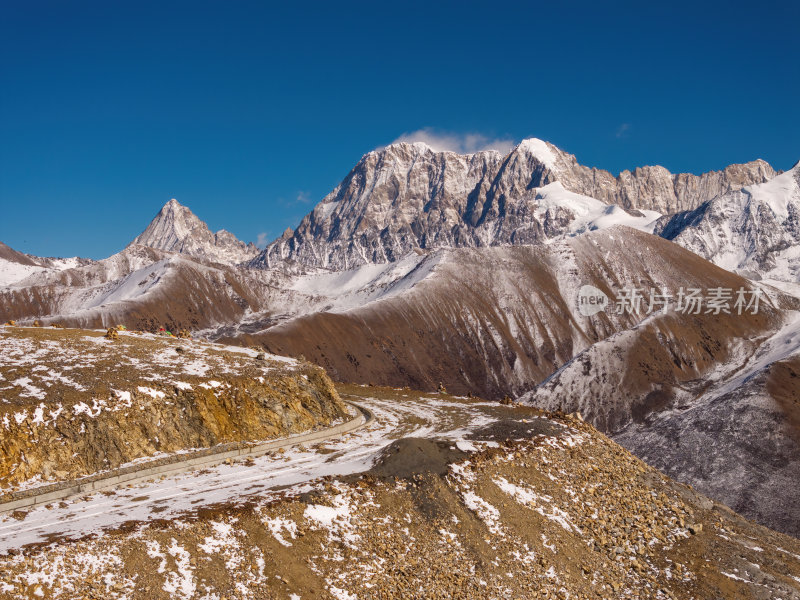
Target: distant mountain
407 196
146 288
15 266
755 230
177 229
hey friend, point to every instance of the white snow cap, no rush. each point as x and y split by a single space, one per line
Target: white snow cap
426 147
778 192
541 150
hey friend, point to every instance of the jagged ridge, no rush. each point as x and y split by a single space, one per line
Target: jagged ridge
407 196
177 229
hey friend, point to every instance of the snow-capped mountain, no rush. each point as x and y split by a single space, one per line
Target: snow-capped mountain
177 229
755 230
143 288
407 196
16 266
496 319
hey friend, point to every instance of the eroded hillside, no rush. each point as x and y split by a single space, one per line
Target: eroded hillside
498 321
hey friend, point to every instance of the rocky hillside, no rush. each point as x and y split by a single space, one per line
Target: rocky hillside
177 229
407 196
752 423
76 402
500 321
728 426
548 508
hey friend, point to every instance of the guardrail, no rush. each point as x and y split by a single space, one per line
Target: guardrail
179 463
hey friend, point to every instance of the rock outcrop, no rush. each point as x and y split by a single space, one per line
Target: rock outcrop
87 404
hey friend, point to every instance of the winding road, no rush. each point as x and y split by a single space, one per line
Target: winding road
397 414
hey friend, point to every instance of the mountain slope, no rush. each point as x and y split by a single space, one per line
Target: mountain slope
497 321
407 196
755 230
142 288
177 229
744 441
730 428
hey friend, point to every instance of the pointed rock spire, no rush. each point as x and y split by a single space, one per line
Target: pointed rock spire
177 229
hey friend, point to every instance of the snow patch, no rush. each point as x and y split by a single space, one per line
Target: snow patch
540 150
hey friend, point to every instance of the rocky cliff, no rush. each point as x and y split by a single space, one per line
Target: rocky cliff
76 403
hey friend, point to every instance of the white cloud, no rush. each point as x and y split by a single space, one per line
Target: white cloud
463 143
262 239
622 130
302 197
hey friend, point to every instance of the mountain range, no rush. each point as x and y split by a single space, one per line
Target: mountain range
427 268
407 196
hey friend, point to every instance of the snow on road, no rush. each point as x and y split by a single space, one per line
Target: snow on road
289 472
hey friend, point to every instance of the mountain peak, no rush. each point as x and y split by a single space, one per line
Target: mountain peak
177 229
544 151
404 147
408 196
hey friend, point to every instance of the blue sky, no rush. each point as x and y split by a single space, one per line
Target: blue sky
250 113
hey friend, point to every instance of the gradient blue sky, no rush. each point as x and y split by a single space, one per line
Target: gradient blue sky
250 113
